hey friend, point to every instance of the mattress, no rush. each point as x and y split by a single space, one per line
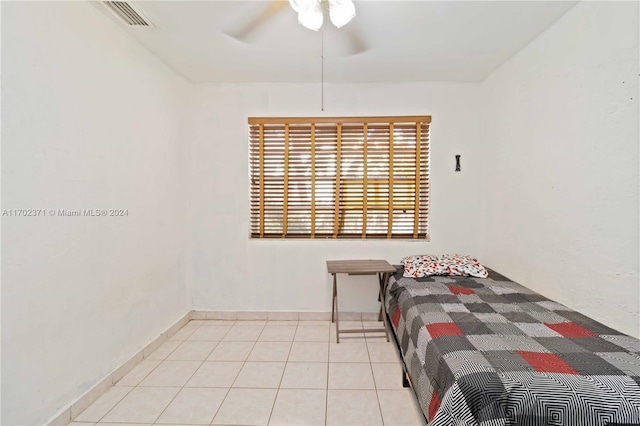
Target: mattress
488 351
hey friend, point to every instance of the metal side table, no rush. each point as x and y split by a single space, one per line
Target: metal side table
381 268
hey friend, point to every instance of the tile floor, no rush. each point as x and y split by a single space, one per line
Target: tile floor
262 373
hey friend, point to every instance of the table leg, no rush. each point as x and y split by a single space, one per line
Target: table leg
381 283
333 298
383 311
334 308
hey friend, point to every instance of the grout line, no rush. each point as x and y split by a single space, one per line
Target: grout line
136 385
239 371
166 360
114 406
194 371
185 317
286 362
244 363
326 398
375 385
141 380
183 327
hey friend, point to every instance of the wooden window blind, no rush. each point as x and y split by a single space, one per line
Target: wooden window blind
347 177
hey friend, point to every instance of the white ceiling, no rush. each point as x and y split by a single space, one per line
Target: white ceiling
408 40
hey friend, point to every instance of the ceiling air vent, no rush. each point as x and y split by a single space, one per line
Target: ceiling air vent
127 13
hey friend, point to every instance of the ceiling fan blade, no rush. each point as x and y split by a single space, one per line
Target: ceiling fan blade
274 7
357 44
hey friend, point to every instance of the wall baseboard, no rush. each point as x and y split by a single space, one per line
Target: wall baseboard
74 409
281 316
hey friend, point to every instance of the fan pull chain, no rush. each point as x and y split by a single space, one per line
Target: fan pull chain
322 70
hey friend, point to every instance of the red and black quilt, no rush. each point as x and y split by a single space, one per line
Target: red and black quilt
488 351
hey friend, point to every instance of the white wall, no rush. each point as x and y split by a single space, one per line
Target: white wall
89 120
233 272
560 123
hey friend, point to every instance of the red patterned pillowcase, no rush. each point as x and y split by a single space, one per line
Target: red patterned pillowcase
417 266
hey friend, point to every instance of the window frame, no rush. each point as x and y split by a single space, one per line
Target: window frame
421 179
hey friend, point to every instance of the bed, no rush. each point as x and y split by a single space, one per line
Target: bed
488 351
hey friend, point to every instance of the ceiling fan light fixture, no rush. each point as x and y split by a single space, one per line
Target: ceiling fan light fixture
311 19
309 13
341 12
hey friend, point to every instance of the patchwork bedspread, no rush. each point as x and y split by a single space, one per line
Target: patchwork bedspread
488 351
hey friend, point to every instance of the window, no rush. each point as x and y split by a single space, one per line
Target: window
356 177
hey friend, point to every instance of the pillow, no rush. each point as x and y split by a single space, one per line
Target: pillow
418 266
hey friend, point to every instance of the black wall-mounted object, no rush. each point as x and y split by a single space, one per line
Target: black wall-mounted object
457 163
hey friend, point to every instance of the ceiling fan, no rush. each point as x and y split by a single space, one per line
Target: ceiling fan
311 15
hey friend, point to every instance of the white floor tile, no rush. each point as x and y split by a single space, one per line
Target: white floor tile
246 407
380 337
123 424
171 373
288 323
192 351
372 324
350 325
270 351
387 375
348 352
383 352
309 351
142 405
249 321
231 351
299 407
277 333
193 406
353 407
376 336
312 333
139 372
163 351
347 337
399 408
212 333
258 372
102 405
243 333
350 376
184 332
219 374
260 375
305 375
